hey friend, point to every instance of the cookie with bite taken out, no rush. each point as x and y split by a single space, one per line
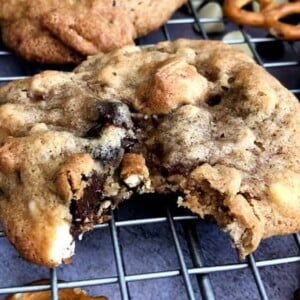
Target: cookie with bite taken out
196 118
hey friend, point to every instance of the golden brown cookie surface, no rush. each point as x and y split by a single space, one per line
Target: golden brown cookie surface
55 31
226 137
63 294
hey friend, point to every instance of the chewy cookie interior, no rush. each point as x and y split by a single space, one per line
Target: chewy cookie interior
197 118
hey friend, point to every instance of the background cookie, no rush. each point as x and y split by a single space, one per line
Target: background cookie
194 117
65 32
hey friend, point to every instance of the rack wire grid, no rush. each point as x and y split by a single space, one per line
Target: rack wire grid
196 251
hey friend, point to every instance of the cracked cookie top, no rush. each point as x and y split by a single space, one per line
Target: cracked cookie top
198 118
65 31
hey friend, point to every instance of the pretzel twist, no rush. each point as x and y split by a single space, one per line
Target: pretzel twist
64 294
279 29
234 10
269 16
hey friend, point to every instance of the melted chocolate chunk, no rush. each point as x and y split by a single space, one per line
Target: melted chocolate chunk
159 150
114 112
214 100
180 169
1 193
297 295
94 131
85 210
111 112
127 143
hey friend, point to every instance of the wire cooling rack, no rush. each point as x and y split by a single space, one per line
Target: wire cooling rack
203 264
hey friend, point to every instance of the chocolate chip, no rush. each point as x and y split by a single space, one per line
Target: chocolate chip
224 88
179 169
19 176
85 210
231 79
1 193
84 177
127 143
297 295
94 131
111 112
36 96
114 112
159 150
215 100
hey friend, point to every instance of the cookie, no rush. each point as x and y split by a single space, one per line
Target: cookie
63 294
196 118
59 32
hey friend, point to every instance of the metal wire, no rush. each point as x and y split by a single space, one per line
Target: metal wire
297 238
187 222
183 266
119 259
54 288
258 280
195 250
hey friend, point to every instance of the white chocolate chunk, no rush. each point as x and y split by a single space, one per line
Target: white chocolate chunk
45 81
62 245
285 193
196 4
133 180
212 10
237 36
38 127
245 138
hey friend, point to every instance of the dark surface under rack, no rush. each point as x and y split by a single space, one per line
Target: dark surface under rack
153 250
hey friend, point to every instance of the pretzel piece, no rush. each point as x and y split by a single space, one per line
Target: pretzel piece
64 294
278 28
233 9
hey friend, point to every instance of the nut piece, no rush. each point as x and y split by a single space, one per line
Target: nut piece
69 178
174 83
134 170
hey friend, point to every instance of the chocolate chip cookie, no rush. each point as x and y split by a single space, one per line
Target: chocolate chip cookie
64 31
195 118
